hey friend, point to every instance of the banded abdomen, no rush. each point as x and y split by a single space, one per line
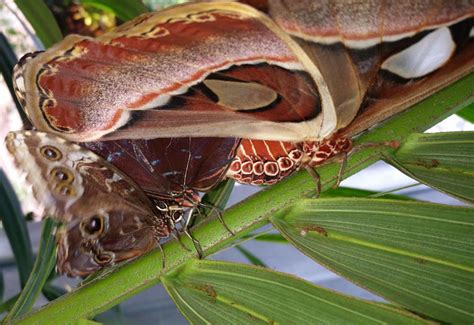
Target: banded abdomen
260 162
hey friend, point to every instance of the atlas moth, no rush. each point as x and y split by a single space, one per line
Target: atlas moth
227 70
265 94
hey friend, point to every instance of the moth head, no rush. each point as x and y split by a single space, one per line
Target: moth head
104 239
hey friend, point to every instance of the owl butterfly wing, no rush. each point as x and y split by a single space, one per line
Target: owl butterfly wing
106 217
201 70
378 58
167 168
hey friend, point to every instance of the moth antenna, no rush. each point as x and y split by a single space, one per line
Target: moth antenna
188 162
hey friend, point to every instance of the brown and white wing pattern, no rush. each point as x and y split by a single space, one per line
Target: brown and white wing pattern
380 57
107 218
223 69
362 24
377 58
208 69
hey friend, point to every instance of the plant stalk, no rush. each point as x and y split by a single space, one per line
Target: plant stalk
117 285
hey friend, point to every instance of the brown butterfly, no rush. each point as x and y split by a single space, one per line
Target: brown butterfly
173 169
107 217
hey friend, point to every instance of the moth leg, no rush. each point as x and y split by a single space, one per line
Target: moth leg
187 231
342 169
314 174
343 156
176 236
182 223
163 263
196 243
221 219
219 215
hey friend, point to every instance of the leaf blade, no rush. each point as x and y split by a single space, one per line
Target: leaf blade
15 228
45 262
467 113
42 21
125 10
423 261
440 160
272 238
217 292
355 192
250 256
7 62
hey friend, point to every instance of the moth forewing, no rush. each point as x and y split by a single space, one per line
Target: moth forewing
363 24
228 70
117 77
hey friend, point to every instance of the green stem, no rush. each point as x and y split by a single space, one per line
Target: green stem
110 289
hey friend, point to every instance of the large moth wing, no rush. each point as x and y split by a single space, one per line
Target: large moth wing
377 58
387 100
106 217
226 70
380 57
209 69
